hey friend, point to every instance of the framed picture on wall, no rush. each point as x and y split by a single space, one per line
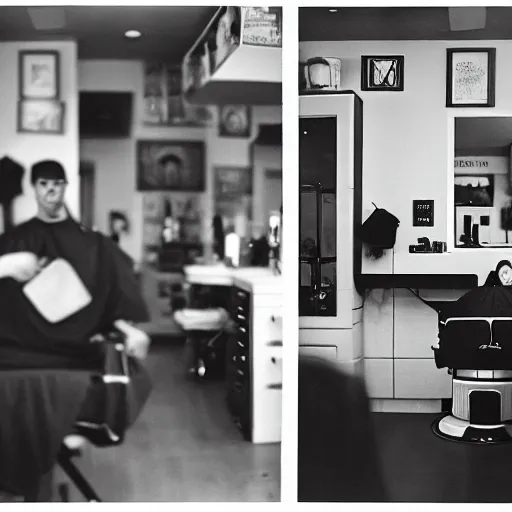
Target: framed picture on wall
41 116
382 73
173 165
39 75
470 77
233 181
235 121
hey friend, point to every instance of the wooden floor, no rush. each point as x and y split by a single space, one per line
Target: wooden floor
184 447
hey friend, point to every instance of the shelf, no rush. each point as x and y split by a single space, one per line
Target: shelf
246 74
417 281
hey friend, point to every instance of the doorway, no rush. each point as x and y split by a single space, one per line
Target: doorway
87 179
273 191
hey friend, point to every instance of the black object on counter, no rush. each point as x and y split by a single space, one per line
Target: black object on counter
218 237
259 252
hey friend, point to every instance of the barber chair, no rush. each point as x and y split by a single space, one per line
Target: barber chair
206 324
478 355
103 429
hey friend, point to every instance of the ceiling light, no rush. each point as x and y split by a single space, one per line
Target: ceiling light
132 34
333 10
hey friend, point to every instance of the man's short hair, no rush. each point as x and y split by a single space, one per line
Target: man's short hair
47 170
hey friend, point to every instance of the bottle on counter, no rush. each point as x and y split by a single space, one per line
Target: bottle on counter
232 248
167 228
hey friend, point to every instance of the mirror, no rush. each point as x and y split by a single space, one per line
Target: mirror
482 182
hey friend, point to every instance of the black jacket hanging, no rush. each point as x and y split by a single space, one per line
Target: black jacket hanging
11 179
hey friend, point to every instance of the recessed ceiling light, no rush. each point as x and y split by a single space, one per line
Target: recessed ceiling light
333 10
132 34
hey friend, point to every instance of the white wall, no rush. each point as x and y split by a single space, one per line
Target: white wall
408 142
116 160
27 149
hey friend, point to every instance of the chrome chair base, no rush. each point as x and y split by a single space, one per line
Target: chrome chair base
454 429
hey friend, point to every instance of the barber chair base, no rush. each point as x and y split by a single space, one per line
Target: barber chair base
454 429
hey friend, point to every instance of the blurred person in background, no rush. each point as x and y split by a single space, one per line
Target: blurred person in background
337 452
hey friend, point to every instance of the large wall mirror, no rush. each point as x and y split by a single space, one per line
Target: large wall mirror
483 182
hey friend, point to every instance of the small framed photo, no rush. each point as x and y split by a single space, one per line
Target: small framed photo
470 77
384 73
41 116
39 75
235 121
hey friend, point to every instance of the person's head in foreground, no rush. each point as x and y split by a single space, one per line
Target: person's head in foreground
49 181
504 272
338 458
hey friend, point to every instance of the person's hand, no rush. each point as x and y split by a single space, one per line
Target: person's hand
21 266
137 341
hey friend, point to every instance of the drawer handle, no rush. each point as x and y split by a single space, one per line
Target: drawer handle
276 318
241 317
241 344
242 295
275 386
275 343
243 329
276 360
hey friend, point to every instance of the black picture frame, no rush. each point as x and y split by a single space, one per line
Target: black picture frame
187 157
451 53
38 92
395 68
50 120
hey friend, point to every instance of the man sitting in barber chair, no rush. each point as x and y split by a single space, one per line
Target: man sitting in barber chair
45 367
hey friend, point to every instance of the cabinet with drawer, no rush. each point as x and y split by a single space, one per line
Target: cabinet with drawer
254 371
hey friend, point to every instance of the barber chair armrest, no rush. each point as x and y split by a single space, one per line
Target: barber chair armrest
112 337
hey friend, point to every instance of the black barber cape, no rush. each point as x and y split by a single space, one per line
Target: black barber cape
38 408
27 340
484 301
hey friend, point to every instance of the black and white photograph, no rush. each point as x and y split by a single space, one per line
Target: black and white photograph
141 318
405 367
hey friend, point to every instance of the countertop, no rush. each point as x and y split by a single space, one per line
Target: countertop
253 279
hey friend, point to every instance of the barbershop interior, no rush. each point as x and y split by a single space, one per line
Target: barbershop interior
167 121
404 307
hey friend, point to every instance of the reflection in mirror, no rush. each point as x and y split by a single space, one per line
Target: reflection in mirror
482 182
317 216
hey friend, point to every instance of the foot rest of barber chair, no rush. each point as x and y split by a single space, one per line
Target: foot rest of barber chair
72 447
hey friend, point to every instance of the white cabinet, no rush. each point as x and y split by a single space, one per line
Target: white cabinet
257 314
330 206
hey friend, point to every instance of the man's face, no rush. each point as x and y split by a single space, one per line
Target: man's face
505 275
50 194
